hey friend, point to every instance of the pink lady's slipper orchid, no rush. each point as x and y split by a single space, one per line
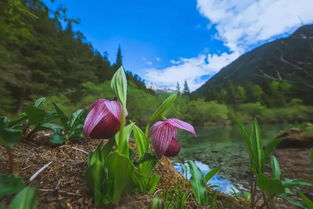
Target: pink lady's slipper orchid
103 120
163 134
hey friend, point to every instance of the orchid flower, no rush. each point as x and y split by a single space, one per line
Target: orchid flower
163 134
103 120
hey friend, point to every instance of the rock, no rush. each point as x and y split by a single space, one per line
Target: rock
295 139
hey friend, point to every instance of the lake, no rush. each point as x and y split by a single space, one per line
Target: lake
224 148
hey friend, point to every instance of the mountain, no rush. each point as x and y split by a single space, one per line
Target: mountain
288 60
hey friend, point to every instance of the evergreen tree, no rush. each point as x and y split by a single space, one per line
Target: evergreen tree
178 88
186 90
119 58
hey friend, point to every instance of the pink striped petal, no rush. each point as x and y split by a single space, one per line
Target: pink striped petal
103 120
181 124
162 134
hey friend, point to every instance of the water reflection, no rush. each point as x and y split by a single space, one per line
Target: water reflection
219 183
224 148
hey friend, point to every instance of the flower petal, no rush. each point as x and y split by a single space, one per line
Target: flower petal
162 134
181 124
103 119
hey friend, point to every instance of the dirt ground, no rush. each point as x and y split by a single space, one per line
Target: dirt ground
62 185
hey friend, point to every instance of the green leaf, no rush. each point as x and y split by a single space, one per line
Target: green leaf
275 168
123 148
4 122
25 199
210 174
141 141
163 109
39 102
197 184
101 153
57 138
306 200
293 202
119 85
62 116
35 115
296 183
9 137
270 186
95 179
271 146
153 183
213 199
10 184
77 118
54 127
121 179
19 119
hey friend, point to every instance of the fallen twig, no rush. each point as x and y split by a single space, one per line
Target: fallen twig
38 172
75 148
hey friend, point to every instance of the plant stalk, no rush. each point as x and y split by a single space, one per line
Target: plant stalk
10 160
121 135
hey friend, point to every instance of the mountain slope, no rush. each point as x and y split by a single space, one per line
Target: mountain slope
287 60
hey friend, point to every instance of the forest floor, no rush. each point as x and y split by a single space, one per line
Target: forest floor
62 185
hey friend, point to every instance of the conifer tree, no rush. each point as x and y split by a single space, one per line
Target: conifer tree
178 88
186 90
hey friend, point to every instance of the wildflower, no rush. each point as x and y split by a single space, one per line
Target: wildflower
103 120
163 134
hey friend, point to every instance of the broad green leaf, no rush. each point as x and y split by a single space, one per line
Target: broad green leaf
57 138
257 148
210 174
123 147
213 199
25 199
141 141
197 184
62 116
35 115
293 202
296 183
20 118
39 102
275 168
54 127
120 171
153 183
9 137
269 185
95 179
77 118
119 85
246 137
184 170
163 109
10 184
101 153
4 122
306 200
157 203
269 148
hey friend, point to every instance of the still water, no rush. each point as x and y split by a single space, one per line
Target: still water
224 148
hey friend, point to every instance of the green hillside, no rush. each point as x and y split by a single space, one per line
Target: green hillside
273 74
39 57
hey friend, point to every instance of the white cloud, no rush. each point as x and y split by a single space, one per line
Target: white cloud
146 61
241 24
190 69
157 59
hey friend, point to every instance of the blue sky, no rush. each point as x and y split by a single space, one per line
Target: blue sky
169 41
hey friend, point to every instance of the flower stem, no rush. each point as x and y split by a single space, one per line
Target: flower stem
121 145
10 160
